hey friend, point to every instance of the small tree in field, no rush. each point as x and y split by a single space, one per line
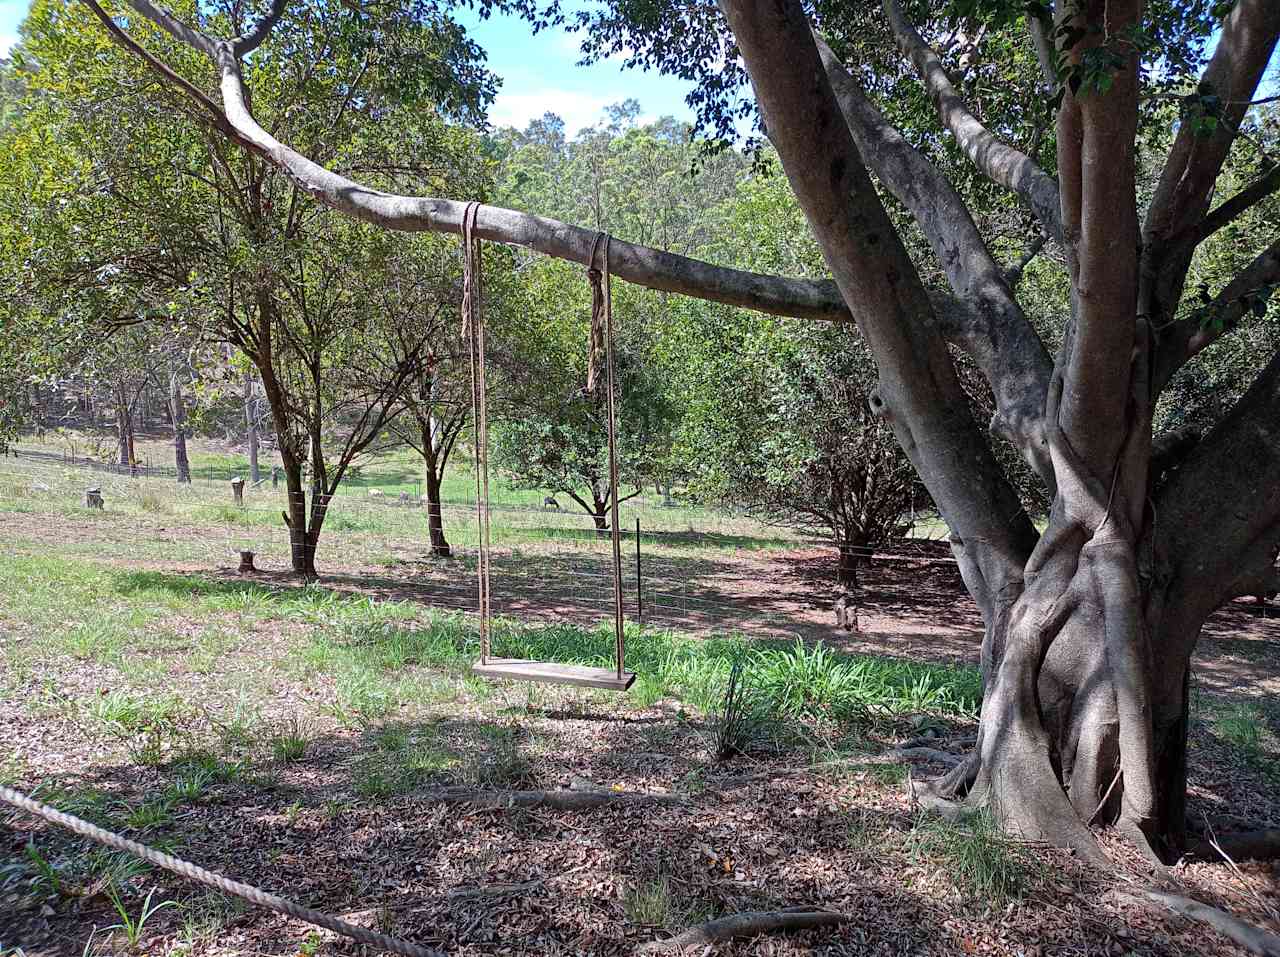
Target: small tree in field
552 435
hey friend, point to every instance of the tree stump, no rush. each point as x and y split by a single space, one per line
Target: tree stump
93 497
237 489
847 611
246 562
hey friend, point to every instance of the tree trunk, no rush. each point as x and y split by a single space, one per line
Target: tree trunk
435 519
1084 717
251 423
851 556
124 430
1082 722
302 539
599 507
177 415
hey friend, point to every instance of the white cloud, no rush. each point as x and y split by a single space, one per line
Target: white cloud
570 41
7 41
576 109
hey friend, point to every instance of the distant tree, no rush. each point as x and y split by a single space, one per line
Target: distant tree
777 421
420 290
219 241
548 433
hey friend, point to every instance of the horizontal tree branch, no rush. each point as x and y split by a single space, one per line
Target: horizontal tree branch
1003 164
645 266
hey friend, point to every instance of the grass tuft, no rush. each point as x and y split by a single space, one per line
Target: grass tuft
985 865
649 903
289 744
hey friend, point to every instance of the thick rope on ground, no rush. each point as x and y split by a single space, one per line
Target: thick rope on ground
190 871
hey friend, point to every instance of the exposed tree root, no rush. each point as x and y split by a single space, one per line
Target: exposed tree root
461 894
749 924
561 800
1251 938
1263 845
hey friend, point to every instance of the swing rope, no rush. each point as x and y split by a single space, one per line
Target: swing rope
602 328
198 874
473 331
600 349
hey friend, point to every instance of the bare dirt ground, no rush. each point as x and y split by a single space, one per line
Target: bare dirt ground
540 881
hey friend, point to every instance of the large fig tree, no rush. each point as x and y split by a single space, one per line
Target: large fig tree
1090 624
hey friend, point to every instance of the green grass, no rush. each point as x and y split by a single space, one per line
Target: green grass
376 651
1241 726
401 761
518 516
985 865
649 903
289 744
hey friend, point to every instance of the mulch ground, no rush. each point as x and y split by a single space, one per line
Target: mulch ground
540 881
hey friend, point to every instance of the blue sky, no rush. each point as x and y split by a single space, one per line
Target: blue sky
538 73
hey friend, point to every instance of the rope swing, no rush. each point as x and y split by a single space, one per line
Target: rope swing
600 351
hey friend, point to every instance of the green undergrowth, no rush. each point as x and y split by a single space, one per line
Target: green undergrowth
791 680
385 654
988 867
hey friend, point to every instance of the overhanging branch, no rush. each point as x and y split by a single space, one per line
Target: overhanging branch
645 266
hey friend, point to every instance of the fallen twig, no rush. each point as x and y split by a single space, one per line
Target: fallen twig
565 799
748 924
1256 940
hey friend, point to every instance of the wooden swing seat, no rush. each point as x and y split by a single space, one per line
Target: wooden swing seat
554 673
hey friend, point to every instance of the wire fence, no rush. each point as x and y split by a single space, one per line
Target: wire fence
548 564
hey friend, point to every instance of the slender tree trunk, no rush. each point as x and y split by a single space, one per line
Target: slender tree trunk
435 518
124 426
302 539
600 507
432 478
302 554
177 415
251 423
